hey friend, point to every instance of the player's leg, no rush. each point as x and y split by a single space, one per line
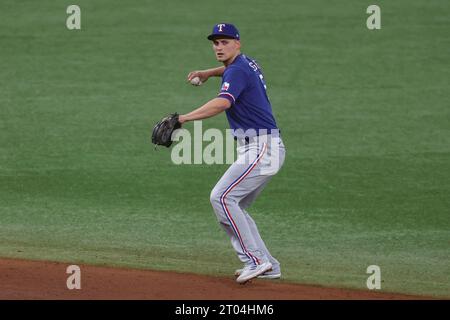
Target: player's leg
273 167
244 204
225 198
276 268
240 180
235 242
251 197
233 203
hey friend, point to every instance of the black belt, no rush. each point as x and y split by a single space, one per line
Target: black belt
247 139
269 131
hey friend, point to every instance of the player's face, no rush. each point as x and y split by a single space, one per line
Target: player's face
226 49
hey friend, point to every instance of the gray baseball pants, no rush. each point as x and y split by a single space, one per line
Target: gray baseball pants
258 160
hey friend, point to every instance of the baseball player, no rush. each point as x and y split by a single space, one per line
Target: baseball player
260 149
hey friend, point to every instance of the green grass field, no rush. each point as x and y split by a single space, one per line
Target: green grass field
365 117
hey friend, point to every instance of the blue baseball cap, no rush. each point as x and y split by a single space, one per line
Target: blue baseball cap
226 30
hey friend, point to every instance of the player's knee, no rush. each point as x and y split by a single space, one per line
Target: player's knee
218 197
214 197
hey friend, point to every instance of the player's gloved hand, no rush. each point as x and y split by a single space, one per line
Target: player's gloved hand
162 131
202 74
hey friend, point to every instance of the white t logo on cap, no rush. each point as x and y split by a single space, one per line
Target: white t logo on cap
220 26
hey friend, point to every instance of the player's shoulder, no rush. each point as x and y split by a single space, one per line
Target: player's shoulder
235 71
245 61
240 66
252 63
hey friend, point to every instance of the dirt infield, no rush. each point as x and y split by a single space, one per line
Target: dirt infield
23 279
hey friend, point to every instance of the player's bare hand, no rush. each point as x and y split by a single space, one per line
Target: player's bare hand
182 118
203 75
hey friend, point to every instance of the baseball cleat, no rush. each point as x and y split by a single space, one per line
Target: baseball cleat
238 272
253 271
246 282
272 274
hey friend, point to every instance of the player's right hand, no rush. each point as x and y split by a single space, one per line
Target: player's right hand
201 74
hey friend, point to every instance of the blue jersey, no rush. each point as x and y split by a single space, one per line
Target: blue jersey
244 86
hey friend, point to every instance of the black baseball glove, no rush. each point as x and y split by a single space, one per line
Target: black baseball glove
162 132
